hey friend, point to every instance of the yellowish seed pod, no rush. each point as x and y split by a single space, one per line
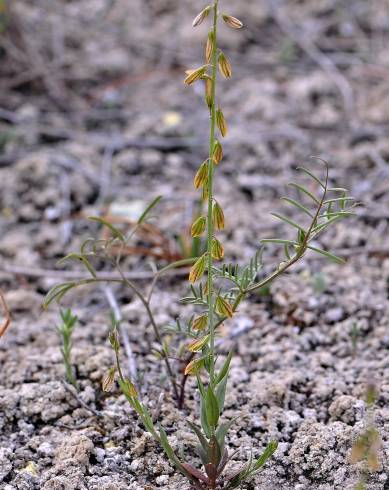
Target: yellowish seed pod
200 323
129 389
218 216
217 249
108 379
224 66
198 344
223 307
221 122
197 270
198 226
209 46
217 152
201 176
199 19
194 366
232 21
194 75
114 340
132 389
208 92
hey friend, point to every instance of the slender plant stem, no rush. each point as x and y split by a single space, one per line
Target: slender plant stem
210 196
146 304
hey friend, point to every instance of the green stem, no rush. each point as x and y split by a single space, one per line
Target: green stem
210 197
146 305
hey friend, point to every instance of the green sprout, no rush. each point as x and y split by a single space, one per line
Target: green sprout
65 331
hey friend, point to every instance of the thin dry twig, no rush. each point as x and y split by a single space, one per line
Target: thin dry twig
78 275
7 315
123 332
70 389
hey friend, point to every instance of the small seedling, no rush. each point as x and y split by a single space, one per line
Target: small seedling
366 449
65 331
355 334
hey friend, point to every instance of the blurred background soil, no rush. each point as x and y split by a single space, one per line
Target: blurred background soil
94 118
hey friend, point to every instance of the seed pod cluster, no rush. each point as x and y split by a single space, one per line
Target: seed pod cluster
216 61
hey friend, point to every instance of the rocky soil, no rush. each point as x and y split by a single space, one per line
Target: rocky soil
94 111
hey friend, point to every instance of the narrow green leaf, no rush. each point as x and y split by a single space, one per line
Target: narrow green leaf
279 241
212 407
221 392
165 444
85 243
57 292
266 455
115 232
338 199
222 432
203 418
288 221
225 368
322 226
286 251
298 205
313 176
148 209
177 264
329 255
88 265
305 191
201 438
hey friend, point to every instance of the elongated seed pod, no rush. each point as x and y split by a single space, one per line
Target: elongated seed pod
218 216
217 152
194 75
221 122
209 46
198 226
223 307
232 21
199 19
217 249
197 269
224 66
